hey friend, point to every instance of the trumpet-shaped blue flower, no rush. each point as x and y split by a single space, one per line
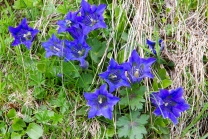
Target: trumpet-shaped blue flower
77 50
78 31
71 20
115 76
152 44
92 16
54 46
169 104
23 34
137 68
101 102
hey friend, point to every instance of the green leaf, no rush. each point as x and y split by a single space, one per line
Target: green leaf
11 113
41 67
121 18
3 127
39 92
123 124
124 36
18 124
98 49
133 97
57 119
121 56
15 135
165 136
66 7
166 83
22 4
164 130
62 9
60 102
81 111
34 131
160 126
50 9
70 70
162 73
133 127
28 119
44 116
85 80
159 122
36 79
110 132
155 84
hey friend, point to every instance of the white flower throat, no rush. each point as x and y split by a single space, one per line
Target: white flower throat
102 99
55 48
139 71
81 53
166 104
113 76
68 23
27 36
93 21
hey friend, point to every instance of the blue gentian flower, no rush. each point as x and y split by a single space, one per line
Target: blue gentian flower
54 46
115 76
92 16
101 102
169 104
23 34
152 44
71 20
78 31
77 50
137 68
60 75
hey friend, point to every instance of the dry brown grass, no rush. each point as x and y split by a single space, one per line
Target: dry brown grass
185 46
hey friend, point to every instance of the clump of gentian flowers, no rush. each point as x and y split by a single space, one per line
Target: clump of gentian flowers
169 103
78 24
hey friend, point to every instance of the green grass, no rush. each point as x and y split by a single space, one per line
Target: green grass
29 83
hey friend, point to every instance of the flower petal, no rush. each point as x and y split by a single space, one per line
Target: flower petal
85 5
106 112
101 8
150 43
14 30
113 63
182 107
27 44
113 100
24 23
92 112
176 112
177 93
90 96
157 112
173 118
16 42
163 93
